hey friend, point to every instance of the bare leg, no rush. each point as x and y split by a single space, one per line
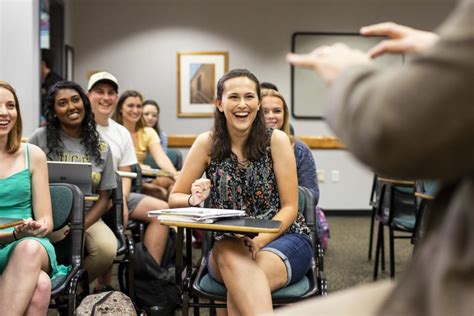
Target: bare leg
156 234
222 311
164 182
20 278
40 301
155 191
231 307
274 269
232 263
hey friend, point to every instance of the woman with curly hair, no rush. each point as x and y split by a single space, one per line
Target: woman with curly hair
70 135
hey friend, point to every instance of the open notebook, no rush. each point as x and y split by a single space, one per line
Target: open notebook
195 214
78 173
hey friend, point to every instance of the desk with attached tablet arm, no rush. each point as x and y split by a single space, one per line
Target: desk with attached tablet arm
241 225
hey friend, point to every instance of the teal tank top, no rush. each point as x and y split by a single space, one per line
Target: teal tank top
15 202
15 193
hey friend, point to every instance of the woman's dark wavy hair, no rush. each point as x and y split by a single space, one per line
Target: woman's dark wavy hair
90 138
258 140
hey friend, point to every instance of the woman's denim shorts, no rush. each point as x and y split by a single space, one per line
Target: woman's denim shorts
296 252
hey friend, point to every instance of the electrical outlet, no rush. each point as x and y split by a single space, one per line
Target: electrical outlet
335 176
321 174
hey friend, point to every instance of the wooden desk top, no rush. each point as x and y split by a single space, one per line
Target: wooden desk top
424 196
395 181
239 225
91 198
156 173
6 222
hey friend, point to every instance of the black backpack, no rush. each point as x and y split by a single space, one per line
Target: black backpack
155 287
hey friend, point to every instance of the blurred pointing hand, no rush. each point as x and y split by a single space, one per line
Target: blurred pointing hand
329 61
403 39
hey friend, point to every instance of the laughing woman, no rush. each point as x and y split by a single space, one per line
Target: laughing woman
251 168
146 141
26 256
70 135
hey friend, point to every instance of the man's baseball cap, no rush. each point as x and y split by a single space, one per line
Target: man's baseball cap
102 76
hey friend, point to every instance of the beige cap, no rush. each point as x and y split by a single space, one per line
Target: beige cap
102 76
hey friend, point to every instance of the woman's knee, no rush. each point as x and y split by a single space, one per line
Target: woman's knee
28 252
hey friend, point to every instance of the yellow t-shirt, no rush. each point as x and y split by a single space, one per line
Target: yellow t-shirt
145 137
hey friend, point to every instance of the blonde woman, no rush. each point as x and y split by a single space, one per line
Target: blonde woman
146 140
276 116
27 258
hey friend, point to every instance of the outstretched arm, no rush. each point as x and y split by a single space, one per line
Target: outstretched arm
413 121
402 39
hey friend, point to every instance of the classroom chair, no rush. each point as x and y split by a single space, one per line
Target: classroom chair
397 211
313 283
126 247
67 203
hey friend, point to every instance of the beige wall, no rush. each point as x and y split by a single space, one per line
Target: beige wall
20 56
138 41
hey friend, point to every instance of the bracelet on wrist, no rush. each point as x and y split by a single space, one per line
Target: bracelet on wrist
14 236
189 201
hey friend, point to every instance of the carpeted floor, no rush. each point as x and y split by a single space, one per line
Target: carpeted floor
346 262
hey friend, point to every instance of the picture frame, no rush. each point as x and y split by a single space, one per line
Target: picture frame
308 91
198 73
69 62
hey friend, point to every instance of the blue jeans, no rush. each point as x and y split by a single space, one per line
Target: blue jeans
296 252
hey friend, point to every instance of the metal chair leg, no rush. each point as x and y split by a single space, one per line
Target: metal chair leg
371 234
382 245
377 251
392 253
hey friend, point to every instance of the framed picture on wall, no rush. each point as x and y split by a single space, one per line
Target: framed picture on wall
198 73
69 53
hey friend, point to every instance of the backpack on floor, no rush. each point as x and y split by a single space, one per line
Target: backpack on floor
106 303
155 285
323 228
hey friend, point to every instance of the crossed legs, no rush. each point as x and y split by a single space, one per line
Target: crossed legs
25 287
249 282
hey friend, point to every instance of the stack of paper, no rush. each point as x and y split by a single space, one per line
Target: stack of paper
194 214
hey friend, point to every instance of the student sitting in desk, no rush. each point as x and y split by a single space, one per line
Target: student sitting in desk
27 258
146 141
251 168
71 135
103 94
